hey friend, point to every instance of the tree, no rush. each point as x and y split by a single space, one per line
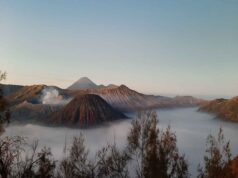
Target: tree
109 162
76 164
27 167
217 158
4 112
46 164
155 152
10 151
112 163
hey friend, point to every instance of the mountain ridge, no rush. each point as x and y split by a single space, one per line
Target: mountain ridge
224 108
127 100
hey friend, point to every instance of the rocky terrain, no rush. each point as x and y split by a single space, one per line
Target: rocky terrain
223 108
84 111
31 94
26 112
120 97
39 102
26 93
125 99
9 89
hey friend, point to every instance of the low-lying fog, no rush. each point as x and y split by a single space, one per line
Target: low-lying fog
191 128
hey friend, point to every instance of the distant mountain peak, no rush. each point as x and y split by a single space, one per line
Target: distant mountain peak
82 83
112 86
85 79
123 86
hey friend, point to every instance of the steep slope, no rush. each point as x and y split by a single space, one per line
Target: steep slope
28 112
82 83
27 93
9 89
125 99
84 111
226 109
32 94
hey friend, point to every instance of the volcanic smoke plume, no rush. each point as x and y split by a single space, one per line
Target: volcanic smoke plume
51 96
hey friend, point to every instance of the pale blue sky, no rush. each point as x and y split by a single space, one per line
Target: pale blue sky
153 46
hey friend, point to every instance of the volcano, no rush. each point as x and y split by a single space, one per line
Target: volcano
128 100
85 111
82 83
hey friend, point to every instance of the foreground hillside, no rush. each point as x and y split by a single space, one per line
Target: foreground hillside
223 108
234 166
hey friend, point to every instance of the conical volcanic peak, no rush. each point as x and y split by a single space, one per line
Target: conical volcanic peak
86 110
83 83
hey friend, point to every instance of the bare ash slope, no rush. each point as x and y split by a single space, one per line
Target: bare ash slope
125 99
86 110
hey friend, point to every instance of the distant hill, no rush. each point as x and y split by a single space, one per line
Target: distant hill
85 111
39 101
82 83
188 101
223 108
85 83
9 89
28 112
31 94
125 99
26 93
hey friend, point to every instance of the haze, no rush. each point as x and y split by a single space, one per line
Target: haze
160 47
191 128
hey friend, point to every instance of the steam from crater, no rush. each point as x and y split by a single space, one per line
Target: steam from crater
51 96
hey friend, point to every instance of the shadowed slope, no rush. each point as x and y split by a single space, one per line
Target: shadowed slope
125 99
226 109
27 93
9 89
84 111
32 94
28 112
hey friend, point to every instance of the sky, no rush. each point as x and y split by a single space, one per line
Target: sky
172 47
